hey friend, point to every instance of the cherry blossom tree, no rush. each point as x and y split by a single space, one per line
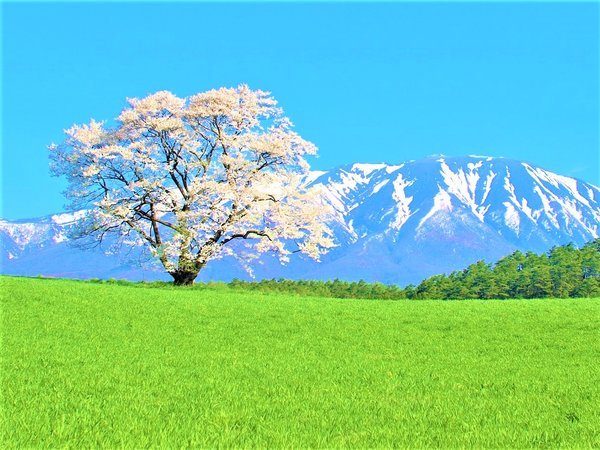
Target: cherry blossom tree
194 179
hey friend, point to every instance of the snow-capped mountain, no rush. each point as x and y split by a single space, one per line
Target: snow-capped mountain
393 223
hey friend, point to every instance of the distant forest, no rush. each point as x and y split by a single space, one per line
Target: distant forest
563 272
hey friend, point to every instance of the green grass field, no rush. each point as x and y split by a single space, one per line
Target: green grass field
88 365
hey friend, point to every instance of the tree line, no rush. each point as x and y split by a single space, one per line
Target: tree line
564 271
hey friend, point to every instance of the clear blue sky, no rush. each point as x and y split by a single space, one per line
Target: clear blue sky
365 82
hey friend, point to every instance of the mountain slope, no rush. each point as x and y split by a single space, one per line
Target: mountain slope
393 223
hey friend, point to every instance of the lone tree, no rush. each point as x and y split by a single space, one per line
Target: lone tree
187 178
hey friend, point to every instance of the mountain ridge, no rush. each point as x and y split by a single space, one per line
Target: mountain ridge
393 223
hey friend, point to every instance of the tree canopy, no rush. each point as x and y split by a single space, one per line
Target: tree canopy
186 178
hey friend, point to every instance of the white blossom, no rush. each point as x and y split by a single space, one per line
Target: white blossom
196 179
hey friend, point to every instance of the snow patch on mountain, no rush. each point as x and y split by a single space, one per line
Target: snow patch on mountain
512 218
488 185
392 169
379 185
313 175
547 206
403 201
367 168
442 202
24 234
463 186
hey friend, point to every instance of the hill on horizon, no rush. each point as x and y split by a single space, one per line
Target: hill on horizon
393 224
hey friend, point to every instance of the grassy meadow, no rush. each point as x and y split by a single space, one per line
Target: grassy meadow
88 365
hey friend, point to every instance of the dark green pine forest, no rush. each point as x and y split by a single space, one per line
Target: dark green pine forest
563 272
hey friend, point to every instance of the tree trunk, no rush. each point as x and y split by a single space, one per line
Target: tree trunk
184 277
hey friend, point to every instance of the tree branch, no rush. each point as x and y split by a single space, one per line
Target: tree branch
245 235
